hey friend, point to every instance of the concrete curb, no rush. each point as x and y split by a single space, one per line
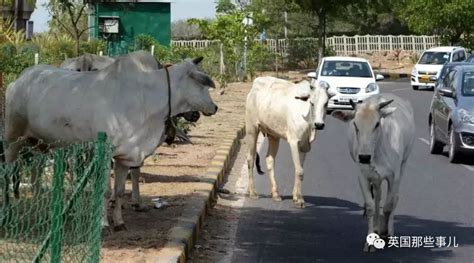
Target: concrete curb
184 234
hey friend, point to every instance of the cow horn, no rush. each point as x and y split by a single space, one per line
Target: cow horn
384 103
353 104
198 60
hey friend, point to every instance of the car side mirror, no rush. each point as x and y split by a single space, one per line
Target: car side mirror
312 75
379 77
446 92
433 78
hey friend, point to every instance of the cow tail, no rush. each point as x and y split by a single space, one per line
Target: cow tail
257 164
372 190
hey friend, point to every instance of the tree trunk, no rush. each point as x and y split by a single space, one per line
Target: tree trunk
320 36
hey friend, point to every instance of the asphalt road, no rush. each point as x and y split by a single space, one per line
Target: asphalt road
436 199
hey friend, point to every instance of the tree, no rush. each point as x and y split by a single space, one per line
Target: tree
450 19
69 16
321 10
182 30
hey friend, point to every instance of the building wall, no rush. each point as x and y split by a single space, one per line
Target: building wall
134 18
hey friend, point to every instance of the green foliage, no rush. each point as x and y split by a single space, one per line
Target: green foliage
450 19
184 125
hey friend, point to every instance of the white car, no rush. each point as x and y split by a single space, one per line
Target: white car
349 78
431 62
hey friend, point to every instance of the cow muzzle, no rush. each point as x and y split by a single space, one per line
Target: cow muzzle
211 112
365 158
319 126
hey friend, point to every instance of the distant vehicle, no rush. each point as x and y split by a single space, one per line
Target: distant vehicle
470 59
451 117
349 78
431 62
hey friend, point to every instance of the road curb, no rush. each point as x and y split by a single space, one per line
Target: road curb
184 234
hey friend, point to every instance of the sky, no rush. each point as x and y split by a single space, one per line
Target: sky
180 9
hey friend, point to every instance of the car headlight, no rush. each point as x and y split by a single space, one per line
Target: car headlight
323 84
414 72
466 116
371 87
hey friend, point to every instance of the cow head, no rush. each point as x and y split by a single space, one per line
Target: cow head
195 86
365 126
320 98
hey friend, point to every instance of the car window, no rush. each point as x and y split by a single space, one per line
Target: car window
447 79
455 56
434 58
346 69
462 56
452 80
468 84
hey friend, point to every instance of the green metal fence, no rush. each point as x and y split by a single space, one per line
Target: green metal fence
51 204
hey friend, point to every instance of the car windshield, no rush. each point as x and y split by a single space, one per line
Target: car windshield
346 69
468 84
434 58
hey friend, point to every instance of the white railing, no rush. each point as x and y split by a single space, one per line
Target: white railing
342 45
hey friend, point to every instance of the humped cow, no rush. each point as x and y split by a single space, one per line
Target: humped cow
52 104
139 60
280 109
381 134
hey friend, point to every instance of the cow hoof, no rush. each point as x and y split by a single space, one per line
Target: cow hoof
253 196
299 203
106 230
119 228
276 198
140 208
369 249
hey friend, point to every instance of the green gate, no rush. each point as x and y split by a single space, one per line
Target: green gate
52 203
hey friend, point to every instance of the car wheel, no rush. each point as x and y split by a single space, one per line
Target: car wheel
436 147
415 87
453 153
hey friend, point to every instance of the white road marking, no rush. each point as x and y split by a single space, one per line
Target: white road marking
469 167
424 140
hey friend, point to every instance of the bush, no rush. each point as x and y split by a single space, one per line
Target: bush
302 53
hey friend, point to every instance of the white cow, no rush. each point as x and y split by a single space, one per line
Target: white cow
140 60
283 110
382 131
54 104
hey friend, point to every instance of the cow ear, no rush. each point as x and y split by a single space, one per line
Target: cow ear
198 60
344 116
387 111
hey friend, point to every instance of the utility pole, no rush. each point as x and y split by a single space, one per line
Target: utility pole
286 25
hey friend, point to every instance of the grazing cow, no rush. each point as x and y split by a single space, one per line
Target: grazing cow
87 62
138 60
54 104
382 131
283 110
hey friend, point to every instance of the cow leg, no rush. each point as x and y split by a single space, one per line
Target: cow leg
298 161
252 136
369 204
11 155
120 172
391 203
273 144
136 199
377 190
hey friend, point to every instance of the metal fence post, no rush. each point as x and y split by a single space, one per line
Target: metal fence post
57 208
100 180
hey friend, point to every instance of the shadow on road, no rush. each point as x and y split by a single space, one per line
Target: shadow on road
331 230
